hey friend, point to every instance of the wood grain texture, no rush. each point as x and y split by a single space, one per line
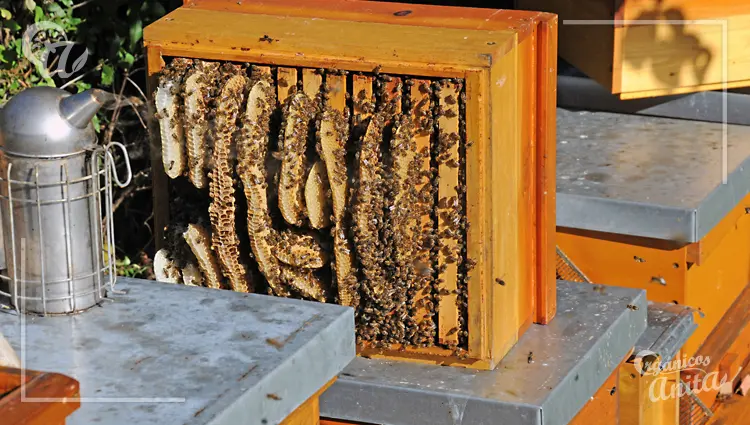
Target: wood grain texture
308 413
505 201
546 163
336 91
311 82
16 411
487 49
478 206
448 323
286 81
521 22
421 104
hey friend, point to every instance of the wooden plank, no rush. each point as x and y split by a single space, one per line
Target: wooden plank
734 412
734 322
448 123
425 355
381 12
286 81
392 95
546 163
477 210
421 115
308 413
645 399
159 179
504 191
311 82
528 233
16 411
305 42
363 101
336 91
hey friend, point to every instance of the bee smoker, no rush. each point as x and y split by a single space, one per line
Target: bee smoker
56 201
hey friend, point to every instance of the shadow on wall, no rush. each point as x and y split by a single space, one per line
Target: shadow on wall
667 50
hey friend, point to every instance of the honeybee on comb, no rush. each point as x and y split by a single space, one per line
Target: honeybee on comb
366 209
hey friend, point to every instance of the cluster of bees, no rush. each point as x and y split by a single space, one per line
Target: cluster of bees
323 185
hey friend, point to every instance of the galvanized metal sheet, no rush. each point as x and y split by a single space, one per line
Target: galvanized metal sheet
165 353
669 327
644 176
571 359
584 93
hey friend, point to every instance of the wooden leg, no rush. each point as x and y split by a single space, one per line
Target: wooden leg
648 399
308 413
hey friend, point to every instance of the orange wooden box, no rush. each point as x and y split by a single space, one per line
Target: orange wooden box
507 60
646 48
57 397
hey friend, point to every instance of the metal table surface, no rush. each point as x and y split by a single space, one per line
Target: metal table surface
164 354
572 357
669 327
647 176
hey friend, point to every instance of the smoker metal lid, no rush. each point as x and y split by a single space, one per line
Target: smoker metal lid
33 124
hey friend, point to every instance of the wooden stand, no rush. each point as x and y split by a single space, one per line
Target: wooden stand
45 400
309 412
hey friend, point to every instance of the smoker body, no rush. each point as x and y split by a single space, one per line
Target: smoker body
50 237
53 176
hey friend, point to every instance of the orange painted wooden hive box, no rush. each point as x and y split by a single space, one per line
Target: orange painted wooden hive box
36 398
399 159
645 48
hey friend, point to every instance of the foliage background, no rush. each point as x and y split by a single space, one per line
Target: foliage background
111 31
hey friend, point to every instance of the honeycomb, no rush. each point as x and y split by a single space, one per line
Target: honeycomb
323 185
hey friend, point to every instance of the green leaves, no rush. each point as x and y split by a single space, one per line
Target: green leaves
111 30
135 34
108 75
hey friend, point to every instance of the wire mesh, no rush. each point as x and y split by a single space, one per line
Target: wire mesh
692 409
565 269
59 230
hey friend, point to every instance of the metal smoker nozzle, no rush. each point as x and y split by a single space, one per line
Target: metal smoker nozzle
79 109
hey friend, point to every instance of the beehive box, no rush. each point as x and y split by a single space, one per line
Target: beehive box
647 48
395 158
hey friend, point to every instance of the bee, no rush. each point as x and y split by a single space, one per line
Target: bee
632 307
530 358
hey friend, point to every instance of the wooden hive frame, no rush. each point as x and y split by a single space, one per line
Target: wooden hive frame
507 61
